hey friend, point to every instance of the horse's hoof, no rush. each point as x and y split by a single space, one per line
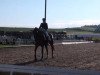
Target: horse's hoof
41 59
52 57
46 58
35 60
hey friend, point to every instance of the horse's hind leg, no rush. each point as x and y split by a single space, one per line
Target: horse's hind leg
51 44
52 48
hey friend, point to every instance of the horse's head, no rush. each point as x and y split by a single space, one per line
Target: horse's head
36 30
38 34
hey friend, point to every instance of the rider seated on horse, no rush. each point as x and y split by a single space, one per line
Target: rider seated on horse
44 27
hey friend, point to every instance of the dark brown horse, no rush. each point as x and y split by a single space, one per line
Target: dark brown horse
40 40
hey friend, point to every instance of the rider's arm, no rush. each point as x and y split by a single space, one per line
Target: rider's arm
40 26
47 25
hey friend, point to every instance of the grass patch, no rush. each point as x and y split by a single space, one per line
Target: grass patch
3 46
96 40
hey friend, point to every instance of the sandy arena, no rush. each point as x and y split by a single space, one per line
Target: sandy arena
74 56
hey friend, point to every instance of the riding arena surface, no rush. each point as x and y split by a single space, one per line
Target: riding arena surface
74 56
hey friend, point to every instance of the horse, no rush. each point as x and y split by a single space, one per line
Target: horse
40 40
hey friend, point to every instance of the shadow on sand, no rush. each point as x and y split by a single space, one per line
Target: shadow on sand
29 62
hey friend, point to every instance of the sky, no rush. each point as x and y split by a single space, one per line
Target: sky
60 13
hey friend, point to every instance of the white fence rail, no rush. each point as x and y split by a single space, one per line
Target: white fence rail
26 70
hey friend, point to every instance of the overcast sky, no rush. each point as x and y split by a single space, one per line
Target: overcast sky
60 13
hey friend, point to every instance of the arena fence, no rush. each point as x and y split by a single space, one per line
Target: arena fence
29 70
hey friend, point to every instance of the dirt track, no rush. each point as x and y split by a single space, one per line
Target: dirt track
78 56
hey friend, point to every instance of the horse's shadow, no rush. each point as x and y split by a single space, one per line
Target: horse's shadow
30 62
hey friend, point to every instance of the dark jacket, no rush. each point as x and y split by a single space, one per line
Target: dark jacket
44 25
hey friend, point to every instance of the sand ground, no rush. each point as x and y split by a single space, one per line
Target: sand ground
75 56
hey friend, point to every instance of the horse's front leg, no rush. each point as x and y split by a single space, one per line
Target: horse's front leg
46 50
35 52
42 52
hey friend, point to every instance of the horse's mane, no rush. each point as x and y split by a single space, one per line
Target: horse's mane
38 35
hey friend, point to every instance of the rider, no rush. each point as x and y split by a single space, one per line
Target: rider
44 28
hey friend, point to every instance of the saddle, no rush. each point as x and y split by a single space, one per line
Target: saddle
45 34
